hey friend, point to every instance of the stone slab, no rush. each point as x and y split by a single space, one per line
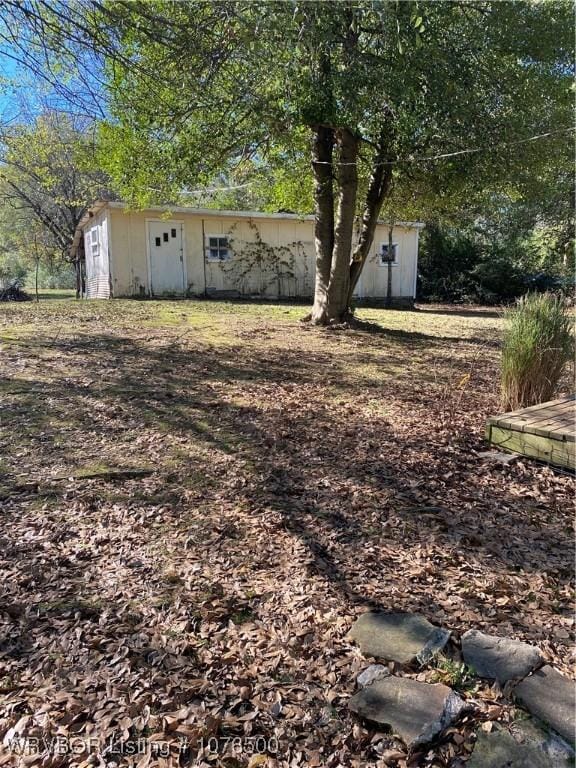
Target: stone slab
499 658
531 732
551 697
400 637
500 750
415 711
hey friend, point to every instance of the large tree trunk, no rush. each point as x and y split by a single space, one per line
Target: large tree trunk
322 153
337 268
336 306
378 189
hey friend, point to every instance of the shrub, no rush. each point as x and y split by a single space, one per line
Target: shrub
497 278
13 291
484 264
538 342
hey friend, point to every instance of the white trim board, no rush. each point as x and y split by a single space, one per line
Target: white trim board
214 213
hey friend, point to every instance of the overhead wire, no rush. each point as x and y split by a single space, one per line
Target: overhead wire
468 151
428 158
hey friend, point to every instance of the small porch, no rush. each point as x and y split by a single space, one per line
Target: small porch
546 432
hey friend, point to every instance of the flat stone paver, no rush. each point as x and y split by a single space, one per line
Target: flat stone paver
532 732
400 637
500 750
499 658
415 711
551 697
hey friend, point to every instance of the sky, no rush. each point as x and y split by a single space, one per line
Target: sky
24 94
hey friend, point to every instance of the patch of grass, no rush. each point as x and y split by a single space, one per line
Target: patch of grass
172 577
163 314
94 468
165 600
280 676
521 716
88 609
242 616
52 294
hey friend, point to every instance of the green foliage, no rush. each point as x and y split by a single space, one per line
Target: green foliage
538 343
48 177
229 92
55 274
52 273
455 674
493 260
13 228
213 95
446 261
12 270
497 277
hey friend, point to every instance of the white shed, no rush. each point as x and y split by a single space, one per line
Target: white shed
203 252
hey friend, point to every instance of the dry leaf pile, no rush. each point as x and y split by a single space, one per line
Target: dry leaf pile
198 499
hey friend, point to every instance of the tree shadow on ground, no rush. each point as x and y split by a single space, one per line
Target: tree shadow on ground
457 311
289 491
339 484
360 328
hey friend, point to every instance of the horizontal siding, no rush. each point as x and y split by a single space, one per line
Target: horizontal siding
98 287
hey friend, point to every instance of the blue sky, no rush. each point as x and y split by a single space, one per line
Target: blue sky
23 94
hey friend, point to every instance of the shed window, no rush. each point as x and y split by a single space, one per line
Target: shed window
385 257
218 248
94 244
165 236
173 232
158 241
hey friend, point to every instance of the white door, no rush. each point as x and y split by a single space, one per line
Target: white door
166 250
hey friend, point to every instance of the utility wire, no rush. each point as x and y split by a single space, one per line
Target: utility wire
389 162
212 189
470 151
425 159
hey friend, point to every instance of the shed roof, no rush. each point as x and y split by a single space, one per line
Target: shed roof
101 204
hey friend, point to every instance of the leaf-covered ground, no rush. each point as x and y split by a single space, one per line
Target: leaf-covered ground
290 478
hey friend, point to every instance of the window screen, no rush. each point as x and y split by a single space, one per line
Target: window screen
385 256
218 248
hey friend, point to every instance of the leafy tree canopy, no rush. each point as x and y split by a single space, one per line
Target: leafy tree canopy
372 92
48 177
213 87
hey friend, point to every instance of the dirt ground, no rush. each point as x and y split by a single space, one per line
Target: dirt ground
198 498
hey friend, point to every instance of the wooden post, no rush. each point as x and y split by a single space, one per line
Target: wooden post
390 256
37 259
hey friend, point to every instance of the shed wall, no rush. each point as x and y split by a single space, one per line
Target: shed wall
374 279
130 258
96 249
270 257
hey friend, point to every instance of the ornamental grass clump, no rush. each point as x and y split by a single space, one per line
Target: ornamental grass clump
538 344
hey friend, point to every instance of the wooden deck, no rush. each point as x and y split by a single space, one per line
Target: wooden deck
546 432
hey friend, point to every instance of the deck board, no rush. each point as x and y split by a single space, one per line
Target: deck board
546 431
